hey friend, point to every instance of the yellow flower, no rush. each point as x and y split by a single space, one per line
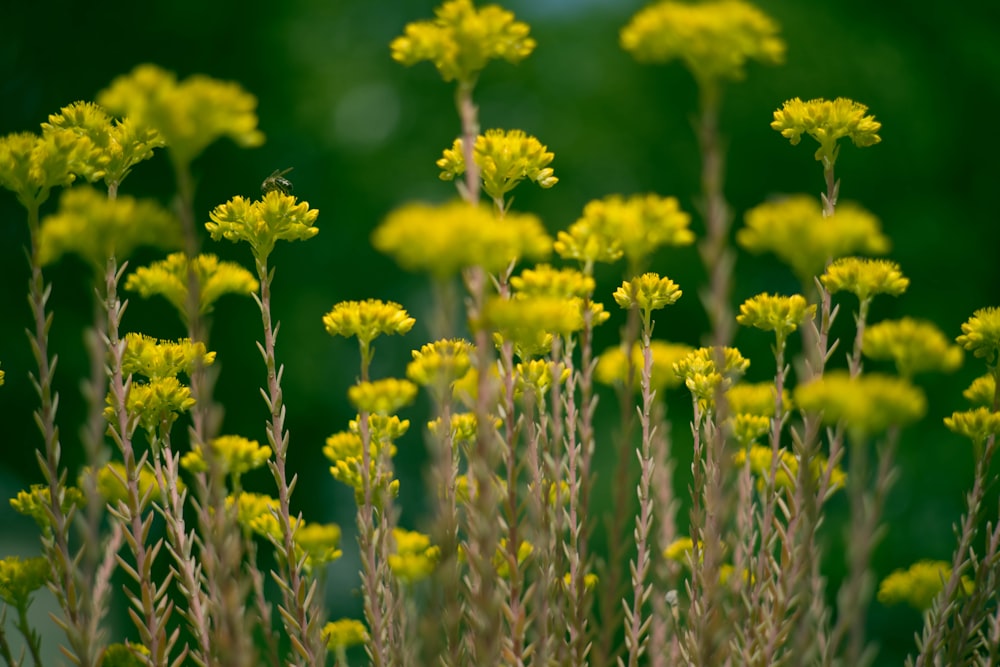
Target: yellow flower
188 115
344 449
788 467
976 425
827 122
914 345
112 484
501 559
169 277
867 404
36 502
20 578
864 277
747 428
794 229
679 549
780 314
128 654
612 368
96 228
703 378
444 239
155 359
755 398
276 217
440 364
647 292
525 321
633 227
981 334
982 391
344 633
235 455
544 280
919 584
367 320
31 165
713 39
156 404
504 158
382 397
250 507
415 557
319 542
462 39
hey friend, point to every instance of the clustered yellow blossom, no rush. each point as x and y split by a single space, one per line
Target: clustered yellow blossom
443 239
647 292
344 633
864 277
382 397
253 508
36 502
20 578
367 320
612 366
319 542
747 428
117 144
262 223
535 377
919 584
501 559
91 225
794 229
982 391
759 458
155 358
504 158
530 321
679 549
545 280
345 451
128 654
780 314
981 334
590 580
633 227
915 346
414 558
755 398
827 122
867 404
976 425
188 115
714 40
31 165
702 376
462 39
463 427
169 278
112 484
440 364
234 454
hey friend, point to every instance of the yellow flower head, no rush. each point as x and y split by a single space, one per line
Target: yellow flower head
702 376
367 320
251 508
156 404
981 334
112 484
754 398
504 158
31 165
276 217
415 557
982 391
747 428
344 633
679 549
535 376
794 229
128 654
919 584
714 40
440 364
444 239
780 314
344 449
118 145
235 455
382 397
463 427
914 345
96 228
867 404
156 359
462 39
20 578
188 115
976 425
169 278
544 280
612 367
633 227
759 459
501 559
864 277
525 321
320 542
36 502
647 292
827 122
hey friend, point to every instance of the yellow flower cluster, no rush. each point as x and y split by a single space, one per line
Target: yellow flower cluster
36 502
759 459
444 239
382 397
129 654
344 633
919 584
262 223
647 292
544 280
529 322
463 427
794 229
867 404
169 278
982 391
864 277
97 228
914 345
155 358
319 542
780 314
344 450
461 40
703 377
188 115
31 165
827 122
535 377
234 454
414 558
976 425
679 549
633 227
714 40
112 484
612 366
20 578
252 509
367 320
440 364
755 398
981 334
504 158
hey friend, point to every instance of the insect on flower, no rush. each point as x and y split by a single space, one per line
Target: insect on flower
277 181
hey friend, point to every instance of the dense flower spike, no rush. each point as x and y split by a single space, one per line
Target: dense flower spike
234 454
915 346
976 425
827 122
439 364
864 277
647 292
382 397
867 404
703 378
794 229
780 314
415 557
95 227
344 633
713 39
367 320
163 358
918 585
276 217
633 227
31 165
444 239
169 278
188 115
505 158
461 40
612 367
981 334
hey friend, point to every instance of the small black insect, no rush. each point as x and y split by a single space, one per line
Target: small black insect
277 181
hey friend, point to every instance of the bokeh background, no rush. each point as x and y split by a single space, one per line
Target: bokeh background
362 134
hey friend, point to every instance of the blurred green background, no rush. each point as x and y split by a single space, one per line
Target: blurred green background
362 134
